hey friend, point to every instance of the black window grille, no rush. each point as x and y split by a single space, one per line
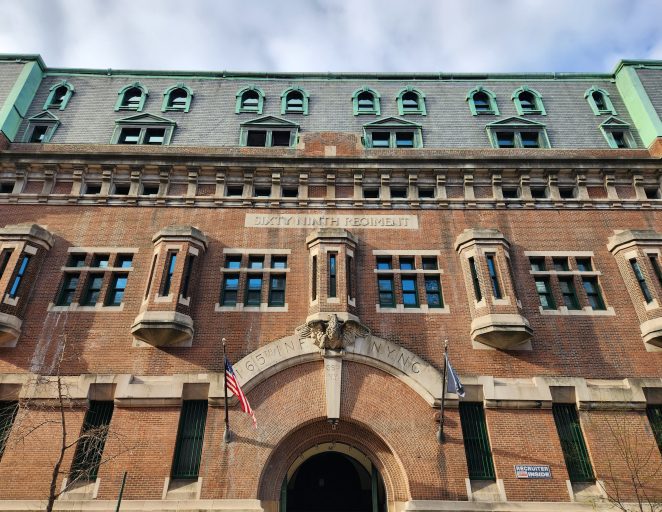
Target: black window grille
190 436
654 413
8 412
92 440
572 443
476 441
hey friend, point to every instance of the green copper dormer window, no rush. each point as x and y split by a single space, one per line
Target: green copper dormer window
617 134
41 128
392 133
249 99
59 96
267 132
146 129
528 101
411 101
132 97
517 132
177 98
599 101
294 101
482 102
366 101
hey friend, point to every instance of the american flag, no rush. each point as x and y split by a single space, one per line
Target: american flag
233 386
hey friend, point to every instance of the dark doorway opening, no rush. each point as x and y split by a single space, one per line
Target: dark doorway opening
333 482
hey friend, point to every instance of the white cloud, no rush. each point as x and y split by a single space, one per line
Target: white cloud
334 35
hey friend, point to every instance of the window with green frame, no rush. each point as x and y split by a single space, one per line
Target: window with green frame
177 98
573 446
59 95
132 97
517 132
366 101
392 133
190 437
268 131
617 134
8 410
92 440
599 101
476 441
294 101
146 129
528 101
654 413
41 128
249 99
411 100
482 102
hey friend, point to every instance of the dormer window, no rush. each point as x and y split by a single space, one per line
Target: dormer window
482 102
365 101
41 128
411 101
517 132
392 133
599 101
249 99
131 97
177 98
294 101
59 95
267 132
528 101
617 133
146 129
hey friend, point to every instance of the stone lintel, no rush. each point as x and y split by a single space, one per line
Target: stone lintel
28 232
163 328
486 236
181 233
331 235
501 331
10 330
651 332
627 238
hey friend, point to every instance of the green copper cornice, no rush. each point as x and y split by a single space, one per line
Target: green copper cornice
18 100
641 110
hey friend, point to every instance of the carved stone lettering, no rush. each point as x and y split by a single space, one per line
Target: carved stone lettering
254 220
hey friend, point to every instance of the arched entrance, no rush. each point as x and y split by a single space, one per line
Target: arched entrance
333 477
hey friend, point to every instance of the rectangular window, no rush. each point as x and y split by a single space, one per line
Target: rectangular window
256 138
314 278
333 274
619 139
92 290
584 264
429 263
76 260
124 261
404 140
505 139
277 290
280 138
115 294
190 437
643 285
290 192
409 291
398 193
572 443
433 292
406 263
171 261
537 264
476 441
92 440
510 193
425 193
474 279
569 294
386 295
18 278
654 413
371 193
155 136
235 190
151 276
530 139
233 261
188 269
279 262
39 133
68 290
8 412
253 290
380 139
560 264
230 290
129 136
491 267
100 260
652 258
256 262
545 293
349 271
4 260
593 293
384 263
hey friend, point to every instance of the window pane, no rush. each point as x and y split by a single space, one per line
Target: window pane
155 136
406 263
476 441
537 264
380 139
384 263
404 140
410 101
129 136
530 140
584 264
38 133
256 262
505 139
233 262
256 138
279 138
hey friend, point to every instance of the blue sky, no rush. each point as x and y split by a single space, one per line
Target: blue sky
335 35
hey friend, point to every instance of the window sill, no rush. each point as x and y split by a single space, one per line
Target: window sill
75 307
262 308
423 308
587 311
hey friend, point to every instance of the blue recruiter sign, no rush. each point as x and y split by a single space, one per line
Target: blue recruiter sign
525 471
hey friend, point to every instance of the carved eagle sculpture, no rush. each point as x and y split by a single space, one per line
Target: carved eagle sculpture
333 334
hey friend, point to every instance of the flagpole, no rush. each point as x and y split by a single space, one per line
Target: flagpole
226 434
440 432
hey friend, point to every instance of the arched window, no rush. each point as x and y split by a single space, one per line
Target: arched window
59 95
528 101
249 99
599 101
482 102
411 101
294 101
366 101
131 97
177 98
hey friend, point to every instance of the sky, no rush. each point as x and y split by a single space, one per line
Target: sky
335 35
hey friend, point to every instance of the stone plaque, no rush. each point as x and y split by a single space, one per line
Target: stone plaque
301 220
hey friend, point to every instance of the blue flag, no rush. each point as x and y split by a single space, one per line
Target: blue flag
453 384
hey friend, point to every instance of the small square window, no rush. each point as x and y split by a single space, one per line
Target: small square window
652 192
539 192
567 192
407 263
530 139
510 192
426 193
6 187
256 262
76 260
39 133
404 140
290 192
398 193
560 264
505 139
280 139
619 139
92 189
429 263
129 136
233 261
380 139
235 190
262 191
384 263
256 138
584 264
121 189
279 262
100 260
154 136
124 260
537 264
371 193
150 190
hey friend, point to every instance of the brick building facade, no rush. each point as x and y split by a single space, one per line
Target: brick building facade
335 230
